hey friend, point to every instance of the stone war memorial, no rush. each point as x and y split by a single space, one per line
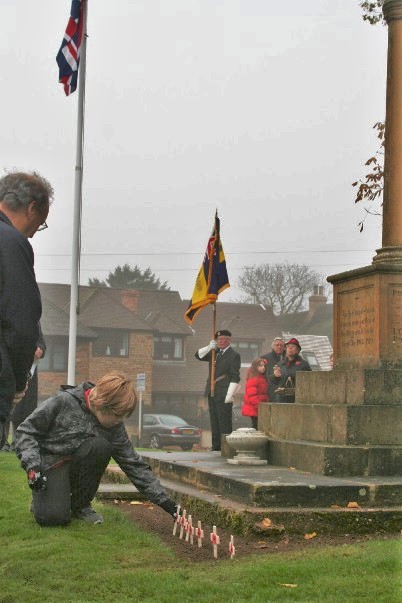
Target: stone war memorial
332 460
348 421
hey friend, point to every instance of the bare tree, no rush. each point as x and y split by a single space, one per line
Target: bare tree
284 287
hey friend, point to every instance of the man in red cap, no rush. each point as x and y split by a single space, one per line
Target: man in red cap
284 375
226 384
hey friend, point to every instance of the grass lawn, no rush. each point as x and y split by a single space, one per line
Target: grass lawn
117 562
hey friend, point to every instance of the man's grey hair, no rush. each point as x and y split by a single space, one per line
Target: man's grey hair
19 189
277 339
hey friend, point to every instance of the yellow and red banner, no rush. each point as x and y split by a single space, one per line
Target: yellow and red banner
212 277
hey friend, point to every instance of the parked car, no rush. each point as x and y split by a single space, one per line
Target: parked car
168 430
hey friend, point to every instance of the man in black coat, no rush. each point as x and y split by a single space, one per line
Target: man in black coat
24 207
30 401
284 376
273 358
226 383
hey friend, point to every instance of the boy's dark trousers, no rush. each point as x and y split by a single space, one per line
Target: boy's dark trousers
71 484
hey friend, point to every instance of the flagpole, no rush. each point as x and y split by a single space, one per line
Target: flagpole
76 243
213 351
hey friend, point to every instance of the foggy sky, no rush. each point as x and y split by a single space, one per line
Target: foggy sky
262 109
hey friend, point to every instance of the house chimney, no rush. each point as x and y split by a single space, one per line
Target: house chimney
129 299
316 300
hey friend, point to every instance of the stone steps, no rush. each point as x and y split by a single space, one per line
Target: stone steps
336 460
244 519
241 497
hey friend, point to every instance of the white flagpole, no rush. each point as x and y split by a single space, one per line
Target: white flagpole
76 248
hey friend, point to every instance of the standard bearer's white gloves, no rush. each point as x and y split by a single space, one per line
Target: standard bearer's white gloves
204 351
232 390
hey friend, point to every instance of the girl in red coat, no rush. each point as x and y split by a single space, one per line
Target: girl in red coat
256 390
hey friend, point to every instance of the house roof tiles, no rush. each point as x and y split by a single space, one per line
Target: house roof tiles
56 322
163 312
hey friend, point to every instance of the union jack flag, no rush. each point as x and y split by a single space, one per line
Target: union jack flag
68 57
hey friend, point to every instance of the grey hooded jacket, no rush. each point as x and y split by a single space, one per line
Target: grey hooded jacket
57 428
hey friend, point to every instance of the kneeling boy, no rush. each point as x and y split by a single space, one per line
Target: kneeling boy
66 444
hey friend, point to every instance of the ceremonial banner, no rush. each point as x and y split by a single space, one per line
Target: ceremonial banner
212 277
68 57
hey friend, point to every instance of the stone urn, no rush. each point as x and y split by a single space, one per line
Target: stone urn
246 441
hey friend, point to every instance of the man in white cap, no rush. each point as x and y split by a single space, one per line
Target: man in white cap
226 384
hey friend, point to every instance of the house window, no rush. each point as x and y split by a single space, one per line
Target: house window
312 360
247 350
111 343
168 347
55 358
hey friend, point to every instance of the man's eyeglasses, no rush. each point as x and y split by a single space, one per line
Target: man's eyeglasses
42 226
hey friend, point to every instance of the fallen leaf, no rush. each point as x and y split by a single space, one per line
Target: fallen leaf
353 505
116 502
194 461
335 507
292 468
135 502
310 536
266 522
288 585
263 545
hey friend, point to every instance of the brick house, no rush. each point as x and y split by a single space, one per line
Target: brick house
110 336
145 332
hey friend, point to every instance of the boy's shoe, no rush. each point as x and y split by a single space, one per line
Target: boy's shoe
89 515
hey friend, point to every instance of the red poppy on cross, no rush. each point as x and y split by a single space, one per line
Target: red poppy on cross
214 538
199 533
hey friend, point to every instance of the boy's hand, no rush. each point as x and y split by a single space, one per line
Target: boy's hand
170 507
36 480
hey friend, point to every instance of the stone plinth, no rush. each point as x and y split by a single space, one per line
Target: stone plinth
360 386
368 317
344 422
349 422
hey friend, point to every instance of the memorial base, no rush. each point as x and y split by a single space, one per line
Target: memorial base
368 317
343 423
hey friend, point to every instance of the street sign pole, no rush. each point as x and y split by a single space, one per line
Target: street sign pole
140 389
140 418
